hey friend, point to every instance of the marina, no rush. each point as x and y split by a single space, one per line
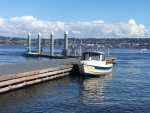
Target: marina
128 83
16 76
79 56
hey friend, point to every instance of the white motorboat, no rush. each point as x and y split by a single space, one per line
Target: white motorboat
30 54
143 50
94 63
31 51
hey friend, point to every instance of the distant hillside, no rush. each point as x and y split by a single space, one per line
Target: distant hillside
102 42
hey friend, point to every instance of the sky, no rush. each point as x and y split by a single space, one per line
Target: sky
81 18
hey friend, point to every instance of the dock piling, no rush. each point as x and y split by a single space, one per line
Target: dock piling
107 52
52 44
39 43
29 42
66 43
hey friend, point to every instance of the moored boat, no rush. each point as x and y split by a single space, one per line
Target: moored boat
30 54
94 63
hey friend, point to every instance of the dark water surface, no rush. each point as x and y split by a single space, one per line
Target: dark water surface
126 90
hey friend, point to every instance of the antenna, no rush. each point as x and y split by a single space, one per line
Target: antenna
81 41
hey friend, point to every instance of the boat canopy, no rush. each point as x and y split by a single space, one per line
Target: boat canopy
93 56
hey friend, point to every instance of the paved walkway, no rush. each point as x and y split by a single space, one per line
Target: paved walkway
32 66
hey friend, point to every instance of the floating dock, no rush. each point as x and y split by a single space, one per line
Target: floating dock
15 76
109 59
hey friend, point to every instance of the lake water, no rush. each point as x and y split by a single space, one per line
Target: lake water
126 90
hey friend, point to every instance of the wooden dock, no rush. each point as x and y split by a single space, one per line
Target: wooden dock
15 76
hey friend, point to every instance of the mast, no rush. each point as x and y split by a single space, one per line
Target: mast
81 41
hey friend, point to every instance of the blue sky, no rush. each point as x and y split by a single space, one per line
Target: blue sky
114 17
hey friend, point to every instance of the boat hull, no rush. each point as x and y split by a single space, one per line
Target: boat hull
30 54
95 70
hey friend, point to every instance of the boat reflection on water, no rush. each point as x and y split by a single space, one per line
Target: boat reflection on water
92 91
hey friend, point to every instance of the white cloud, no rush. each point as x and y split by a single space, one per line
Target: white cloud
21 26
23 18
61 25
1 21
27 18
100 21
131 21
76 32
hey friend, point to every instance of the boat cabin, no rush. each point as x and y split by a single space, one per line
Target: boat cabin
99 56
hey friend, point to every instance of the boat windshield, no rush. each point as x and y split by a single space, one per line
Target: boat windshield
92 56
95 57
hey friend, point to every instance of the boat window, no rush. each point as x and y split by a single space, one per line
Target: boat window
85 57
103 57
95 57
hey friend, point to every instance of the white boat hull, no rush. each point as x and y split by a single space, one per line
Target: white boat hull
31 54
95 69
